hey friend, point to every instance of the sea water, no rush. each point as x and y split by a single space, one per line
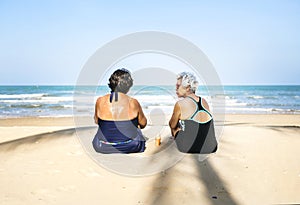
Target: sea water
58 101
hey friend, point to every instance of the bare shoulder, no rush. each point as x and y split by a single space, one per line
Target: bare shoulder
102 99
134 102
182 102
99 99
204 103
185 103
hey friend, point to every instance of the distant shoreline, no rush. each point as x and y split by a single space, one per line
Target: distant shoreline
287 119
53 101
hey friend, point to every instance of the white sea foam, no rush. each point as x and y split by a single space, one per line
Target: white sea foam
39 100
234 103
58 100
256 97
22 96
247 110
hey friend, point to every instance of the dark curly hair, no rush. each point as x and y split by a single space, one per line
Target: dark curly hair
120 81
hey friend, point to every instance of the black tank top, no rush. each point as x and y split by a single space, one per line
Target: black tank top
197 137
199 108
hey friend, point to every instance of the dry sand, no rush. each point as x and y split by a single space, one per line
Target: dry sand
258 162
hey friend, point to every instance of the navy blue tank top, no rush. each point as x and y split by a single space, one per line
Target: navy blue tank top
117 131
120 136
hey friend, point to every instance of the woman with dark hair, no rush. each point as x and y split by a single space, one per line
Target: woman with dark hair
119 117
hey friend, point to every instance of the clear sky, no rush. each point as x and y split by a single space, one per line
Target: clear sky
249 42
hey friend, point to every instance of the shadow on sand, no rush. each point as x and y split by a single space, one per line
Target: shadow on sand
190 180
214 192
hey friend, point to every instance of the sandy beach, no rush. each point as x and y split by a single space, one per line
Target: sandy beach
258 162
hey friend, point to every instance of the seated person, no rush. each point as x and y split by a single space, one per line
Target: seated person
119 118
191 122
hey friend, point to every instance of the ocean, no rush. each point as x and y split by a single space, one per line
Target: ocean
60 101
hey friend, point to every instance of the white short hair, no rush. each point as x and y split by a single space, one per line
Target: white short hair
188 79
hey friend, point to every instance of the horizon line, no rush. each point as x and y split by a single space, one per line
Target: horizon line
150 85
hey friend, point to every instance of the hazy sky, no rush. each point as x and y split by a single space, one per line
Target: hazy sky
249 42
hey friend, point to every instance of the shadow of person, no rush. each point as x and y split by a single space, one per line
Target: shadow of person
190 182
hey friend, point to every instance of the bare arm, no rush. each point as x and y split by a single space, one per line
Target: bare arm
96 110
141 116
173 123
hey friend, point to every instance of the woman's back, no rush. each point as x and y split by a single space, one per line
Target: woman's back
191 122
119 118
108 108
197 129
189 109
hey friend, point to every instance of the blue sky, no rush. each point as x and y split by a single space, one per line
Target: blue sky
249 42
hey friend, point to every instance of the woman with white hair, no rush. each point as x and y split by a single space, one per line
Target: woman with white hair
191 122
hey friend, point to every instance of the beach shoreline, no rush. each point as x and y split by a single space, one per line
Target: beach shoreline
43 162
288 119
